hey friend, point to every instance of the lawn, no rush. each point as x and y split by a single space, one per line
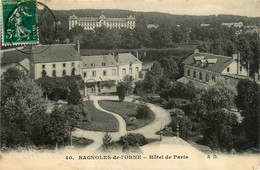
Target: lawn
99 121
126 110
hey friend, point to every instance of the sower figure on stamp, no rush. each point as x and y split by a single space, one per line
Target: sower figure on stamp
17 18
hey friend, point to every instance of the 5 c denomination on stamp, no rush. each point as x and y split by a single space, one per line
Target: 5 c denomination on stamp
19 22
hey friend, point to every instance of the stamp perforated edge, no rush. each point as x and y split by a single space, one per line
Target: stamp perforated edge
2 29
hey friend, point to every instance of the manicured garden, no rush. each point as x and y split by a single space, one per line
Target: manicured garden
99 121
129 112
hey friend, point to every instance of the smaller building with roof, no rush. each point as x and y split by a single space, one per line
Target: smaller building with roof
12 58
202 68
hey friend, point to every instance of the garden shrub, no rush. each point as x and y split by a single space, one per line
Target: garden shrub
121 91
142 112
133 139
154 100
175 103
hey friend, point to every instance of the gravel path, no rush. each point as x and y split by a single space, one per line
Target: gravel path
162 118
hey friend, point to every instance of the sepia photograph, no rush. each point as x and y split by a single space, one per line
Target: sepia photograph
130 85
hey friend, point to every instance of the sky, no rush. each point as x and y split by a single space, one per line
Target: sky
249 8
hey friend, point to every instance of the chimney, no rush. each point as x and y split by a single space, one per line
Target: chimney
196 51
78 47
137 54
116 56
234 56
256 77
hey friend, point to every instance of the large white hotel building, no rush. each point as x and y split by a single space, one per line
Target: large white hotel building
90 23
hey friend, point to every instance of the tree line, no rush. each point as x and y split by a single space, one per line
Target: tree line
24 118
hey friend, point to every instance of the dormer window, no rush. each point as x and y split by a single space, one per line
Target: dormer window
93 65
103 64
198 59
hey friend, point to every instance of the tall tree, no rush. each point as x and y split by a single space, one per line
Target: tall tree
220 127
170 68
58 128
248 101
219 95
156 69
26 101
74 95
150 83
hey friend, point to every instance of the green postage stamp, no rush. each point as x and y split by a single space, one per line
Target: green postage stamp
19 22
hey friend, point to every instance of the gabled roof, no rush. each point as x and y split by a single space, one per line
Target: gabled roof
55 53
12 56
42 54
73 17
25 63
221 63
127 58
108 60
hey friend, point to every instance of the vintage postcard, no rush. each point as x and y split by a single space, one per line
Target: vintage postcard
130 84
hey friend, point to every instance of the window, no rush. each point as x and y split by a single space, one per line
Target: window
124 71
93 65
85 74
200 76
54 73
136 69
104 73
44 73
194 74
43 66
64 64
228 69
103 64
73 72
188 73
53 65
213 78
114 72
64 72
241 68
93 73
130 70
72 64
207 78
